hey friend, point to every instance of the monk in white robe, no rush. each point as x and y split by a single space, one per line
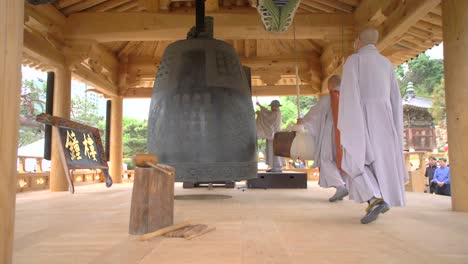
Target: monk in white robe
319 122
370 120
268 123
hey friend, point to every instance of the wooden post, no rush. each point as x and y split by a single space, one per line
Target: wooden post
11 48
410 140
116 134
152 205
455 23
62 108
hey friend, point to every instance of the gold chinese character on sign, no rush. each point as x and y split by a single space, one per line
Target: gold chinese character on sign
73 146
88 143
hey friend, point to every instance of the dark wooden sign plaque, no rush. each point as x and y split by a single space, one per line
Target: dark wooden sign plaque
81 147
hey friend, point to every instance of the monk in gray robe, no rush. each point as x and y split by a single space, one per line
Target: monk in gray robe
268 123
370 120
319 122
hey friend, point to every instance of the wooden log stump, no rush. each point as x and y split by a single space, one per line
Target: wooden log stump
152 205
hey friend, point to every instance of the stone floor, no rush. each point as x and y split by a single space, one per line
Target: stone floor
254 226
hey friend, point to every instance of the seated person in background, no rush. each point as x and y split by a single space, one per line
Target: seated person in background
298 164
442 178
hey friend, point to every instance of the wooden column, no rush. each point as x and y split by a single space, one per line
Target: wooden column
116 134
62 108
11 46
455 23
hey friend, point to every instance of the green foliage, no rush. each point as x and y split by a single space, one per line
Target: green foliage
84 111
33 100
28 135
32 104
134 136
289 108
425 74
438 104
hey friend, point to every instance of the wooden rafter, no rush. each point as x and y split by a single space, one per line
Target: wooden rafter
105 27
65 3
80 6
108 5
318 6
337 5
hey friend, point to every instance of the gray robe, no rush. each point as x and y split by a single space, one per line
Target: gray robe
268 123
319 121
371 123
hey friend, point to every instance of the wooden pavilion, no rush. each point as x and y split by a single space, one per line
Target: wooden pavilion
116 45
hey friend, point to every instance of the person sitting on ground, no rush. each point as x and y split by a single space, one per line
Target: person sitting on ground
442 178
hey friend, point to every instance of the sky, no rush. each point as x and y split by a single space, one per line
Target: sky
139 108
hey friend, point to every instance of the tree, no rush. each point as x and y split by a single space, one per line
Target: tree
33 100
32 103
289 108
425 74
437 109
84 111
134 136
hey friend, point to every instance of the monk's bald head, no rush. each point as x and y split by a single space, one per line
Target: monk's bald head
334 83
367 36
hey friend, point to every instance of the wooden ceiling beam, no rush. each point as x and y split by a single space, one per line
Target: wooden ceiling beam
65 3
149 5
41 50
212 5
337 5
371 13
101 84
105 27
308 8
108 5
269 90
318 6
332 60
80 6
437 10
353 3
407 14
123 8
46 14
100 61
433 19
428 27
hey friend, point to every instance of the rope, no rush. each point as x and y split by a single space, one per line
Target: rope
298 89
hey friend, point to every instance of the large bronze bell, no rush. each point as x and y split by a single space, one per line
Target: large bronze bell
201 117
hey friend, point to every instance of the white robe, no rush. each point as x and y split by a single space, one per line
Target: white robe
319 122
268 123
370 120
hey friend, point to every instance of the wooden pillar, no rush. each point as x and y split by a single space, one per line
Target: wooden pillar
62 108
116 135
410 140
11 47
455 23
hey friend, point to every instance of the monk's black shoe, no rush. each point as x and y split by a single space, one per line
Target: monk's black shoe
373 210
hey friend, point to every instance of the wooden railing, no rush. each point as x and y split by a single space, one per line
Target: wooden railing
39 179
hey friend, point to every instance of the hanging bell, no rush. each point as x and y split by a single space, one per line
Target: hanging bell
201 118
